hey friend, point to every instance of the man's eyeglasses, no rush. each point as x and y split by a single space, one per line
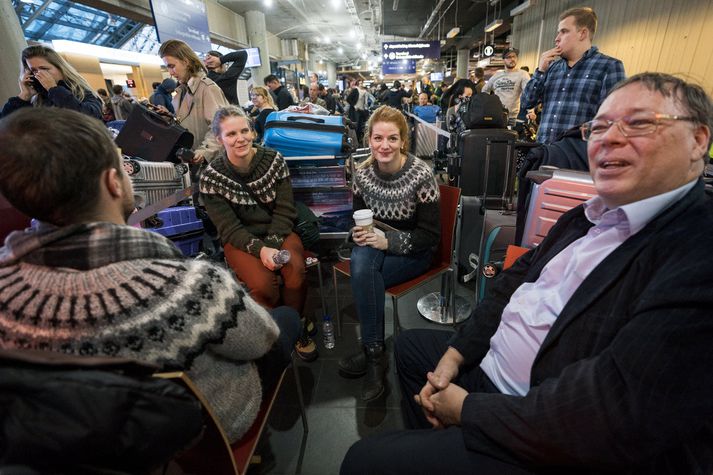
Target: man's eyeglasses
635 125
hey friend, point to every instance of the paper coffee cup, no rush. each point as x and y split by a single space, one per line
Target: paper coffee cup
365 219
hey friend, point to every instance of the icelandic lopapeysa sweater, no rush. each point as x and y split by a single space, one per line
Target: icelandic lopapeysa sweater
241 221
109 290
406 200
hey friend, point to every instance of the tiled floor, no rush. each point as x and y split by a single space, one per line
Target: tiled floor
336 415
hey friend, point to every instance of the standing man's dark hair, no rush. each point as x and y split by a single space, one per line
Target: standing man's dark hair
54 179
226 79
282 97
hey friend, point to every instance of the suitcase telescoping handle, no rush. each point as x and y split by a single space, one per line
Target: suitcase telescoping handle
311 119
509 188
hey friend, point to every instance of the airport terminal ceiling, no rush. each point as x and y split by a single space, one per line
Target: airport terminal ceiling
344 31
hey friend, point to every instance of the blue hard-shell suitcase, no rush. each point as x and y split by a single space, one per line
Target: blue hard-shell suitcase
295 134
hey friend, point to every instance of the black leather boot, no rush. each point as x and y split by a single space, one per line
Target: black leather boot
376 363
353 366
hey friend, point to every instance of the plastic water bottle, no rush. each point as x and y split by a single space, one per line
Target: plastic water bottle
328 332
282 257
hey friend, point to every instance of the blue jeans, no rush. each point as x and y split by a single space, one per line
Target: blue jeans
372 272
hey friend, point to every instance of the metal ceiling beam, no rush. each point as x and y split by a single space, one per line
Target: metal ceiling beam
55 19
434 13
38 11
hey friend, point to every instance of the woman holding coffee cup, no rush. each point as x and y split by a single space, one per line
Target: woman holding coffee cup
399 190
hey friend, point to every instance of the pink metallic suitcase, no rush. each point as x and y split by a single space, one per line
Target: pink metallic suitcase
551 199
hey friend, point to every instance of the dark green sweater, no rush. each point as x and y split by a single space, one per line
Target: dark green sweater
241 221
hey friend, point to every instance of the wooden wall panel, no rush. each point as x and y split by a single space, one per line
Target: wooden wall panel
647 35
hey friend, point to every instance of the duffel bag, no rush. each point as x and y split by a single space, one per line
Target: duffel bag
304 135
152 137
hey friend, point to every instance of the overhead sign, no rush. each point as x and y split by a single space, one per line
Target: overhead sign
130 83
399 66
488 50
185 20
395 50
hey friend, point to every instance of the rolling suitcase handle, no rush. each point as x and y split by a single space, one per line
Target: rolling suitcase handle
312 119
509 188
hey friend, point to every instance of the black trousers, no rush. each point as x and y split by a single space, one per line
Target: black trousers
424 450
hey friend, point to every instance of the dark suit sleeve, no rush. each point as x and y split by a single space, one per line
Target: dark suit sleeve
646 392
238 58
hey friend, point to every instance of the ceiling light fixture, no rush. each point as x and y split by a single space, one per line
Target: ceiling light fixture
268 3
358 46
396 5
326 38
340 50
520 8
492 26
454 31
336 3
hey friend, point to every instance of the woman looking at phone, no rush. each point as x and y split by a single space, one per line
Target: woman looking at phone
48 80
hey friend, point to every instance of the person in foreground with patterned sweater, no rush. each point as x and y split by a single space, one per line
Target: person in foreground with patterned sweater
248 195
592 354
85 283
401 191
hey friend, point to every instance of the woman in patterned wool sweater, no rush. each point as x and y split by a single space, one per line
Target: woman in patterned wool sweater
401 191
248 195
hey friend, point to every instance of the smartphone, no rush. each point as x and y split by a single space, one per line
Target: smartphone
36 84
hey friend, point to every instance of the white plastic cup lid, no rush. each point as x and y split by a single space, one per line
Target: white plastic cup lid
363 215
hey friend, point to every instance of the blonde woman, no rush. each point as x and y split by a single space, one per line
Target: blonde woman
262 99
197 99
401 192
48 80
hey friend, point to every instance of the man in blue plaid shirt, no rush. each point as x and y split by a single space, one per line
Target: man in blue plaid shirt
573 78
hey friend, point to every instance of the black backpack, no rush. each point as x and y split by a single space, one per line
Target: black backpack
483 111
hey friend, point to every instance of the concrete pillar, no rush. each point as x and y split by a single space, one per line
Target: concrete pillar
462 63
257 37
331 73
14 41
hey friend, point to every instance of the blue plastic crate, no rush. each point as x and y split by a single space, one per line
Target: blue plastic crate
178 220
189 246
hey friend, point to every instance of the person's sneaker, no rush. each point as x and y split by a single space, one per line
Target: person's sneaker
306 349
309 326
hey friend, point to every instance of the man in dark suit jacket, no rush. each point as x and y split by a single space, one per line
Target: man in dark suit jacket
593 353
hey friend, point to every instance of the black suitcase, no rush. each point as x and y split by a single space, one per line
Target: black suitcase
477 167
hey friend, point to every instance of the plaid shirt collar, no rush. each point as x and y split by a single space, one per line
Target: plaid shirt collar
84 246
